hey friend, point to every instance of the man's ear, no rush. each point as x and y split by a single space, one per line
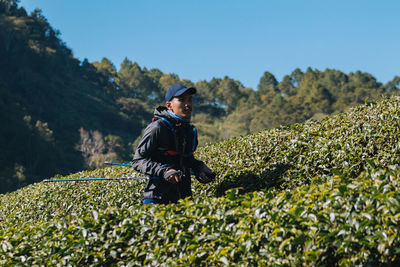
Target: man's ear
168 105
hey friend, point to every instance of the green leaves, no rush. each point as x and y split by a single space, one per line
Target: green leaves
308 225
323 193
314 151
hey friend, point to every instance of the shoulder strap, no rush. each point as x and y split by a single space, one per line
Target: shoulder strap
172 128
169 124
194 138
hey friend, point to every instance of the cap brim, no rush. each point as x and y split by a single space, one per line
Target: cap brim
191 90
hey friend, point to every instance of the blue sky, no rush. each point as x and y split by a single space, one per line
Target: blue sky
202 39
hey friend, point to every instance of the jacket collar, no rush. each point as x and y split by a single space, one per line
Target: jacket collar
176 120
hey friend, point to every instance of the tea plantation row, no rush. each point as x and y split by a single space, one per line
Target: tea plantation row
345 222
318 193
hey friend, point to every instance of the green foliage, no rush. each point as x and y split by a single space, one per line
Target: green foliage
318 193
301 96
268 84
338 222
292 155
327 194
47 96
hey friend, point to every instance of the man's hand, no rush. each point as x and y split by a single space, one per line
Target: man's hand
173 176
205 174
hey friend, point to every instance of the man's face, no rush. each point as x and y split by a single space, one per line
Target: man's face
181 105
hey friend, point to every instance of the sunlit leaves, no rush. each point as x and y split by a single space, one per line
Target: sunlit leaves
327 194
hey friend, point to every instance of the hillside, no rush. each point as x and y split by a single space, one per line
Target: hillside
318 193
46 97
60 115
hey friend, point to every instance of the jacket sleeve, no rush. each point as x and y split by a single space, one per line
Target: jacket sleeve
194 164
142 161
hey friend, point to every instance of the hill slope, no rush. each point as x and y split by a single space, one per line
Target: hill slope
60 115
327 194
46 96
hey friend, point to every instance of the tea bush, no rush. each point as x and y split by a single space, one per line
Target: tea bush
289 156
319 193
45 201
344 222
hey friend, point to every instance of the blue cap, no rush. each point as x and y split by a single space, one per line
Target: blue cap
177 90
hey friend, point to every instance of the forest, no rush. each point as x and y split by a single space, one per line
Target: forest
60 115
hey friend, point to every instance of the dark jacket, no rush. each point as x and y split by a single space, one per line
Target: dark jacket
167 143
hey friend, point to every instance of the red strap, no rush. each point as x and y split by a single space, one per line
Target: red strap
171 153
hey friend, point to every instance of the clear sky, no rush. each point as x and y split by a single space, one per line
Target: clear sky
202 39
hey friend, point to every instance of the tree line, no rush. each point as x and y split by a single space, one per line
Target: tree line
61 115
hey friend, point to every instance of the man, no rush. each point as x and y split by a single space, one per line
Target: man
165 151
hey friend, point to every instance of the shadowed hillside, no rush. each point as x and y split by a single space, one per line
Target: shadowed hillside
46 97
